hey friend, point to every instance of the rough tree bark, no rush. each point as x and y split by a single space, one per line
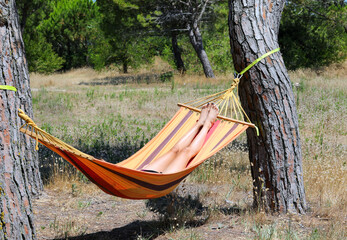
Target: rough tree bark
267 97
177 54
19 171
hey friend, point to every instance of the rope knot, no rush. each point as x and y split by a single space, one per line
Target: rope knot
235 83
26 118
29 122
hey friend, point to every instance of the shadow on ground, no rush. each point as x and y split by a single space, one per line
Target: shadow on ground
173 211
145 229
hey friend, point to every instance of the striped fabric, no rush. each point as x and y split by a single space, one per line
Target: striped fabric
125 178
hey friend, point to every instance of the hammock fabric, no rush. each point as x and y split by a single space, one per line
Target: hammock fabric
126 179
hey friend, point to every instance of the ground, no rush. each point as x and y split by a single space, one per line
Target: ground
62 214
216 200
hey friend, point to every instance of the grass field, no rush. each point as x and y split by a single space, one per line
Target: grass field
114 121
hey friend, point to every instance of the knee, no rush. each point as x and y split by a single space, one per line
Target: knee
188 151
175 150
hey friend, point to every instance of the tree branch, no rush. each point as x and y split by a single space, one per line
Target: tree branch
202 11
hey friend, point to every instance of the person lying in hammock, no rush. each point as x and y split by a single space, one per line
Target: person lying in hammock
177 158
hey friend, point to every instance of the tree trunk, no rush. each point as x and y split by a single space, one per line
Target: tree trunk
267 97
177 54
196 41
125 66
24 16
19 171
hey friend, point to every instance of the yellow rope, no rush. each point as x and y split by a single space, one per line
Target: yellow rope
7 87
226 106
30 123
234 107
36 132
227 99
206 97
224 100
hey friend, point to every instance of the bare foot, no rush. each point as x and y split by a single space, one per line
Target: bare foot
204 113
212 114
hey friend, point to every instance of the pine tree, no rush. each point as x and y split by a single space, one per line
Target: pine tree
266 95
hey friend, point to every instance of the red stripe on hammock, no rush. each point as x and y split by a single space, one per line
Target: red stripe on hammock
92 176
209 134
211 131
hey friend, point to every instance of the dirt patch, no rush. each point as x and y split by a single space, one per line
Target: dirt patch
61 215
92 214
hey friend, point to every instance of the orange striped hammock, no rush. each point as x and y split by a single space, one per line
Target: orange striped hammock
125 179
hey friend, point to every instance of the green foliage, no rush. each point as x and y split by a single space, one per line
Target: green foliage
312 33
218 49
41 56
58 34
71 27
65 34
100 52
166 77
123 24
215 40
31 13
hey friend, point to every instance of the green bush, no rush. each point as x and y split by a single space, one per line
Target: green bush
41 57
100 53
71 28
312 33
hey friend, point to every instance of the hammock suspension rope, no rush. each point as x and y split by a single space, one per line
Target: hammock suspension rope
227 101
7 87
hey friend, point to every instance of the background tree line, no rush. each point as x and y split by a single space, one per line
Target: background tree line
190 34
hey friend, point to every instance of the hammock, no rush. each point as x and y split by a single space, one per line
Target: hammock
125 179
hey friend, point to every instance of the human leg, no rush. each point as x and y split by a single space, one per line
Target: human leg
183 157
188 137
163 161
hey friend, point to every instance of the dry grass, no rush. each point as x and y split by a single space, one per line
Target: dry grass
74 77
97 120
68 79
332 77
322 109
196 80
158 65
